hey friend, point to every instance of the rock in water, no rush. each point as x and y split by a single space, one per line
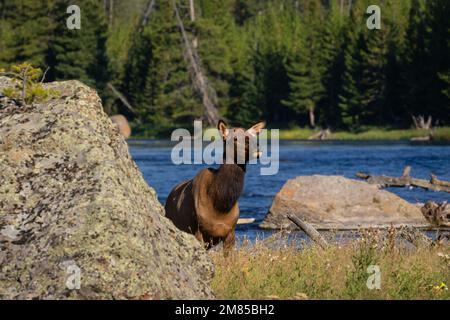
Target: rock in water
335 202
122 125
75 211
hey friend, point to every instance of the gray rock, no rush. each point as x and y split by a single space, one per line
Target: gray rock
69 191
335 202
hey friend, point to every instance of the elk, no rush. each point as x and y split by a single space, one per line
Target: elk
207 205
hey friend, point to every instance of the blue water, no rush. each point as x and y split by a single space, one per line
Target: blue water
304 158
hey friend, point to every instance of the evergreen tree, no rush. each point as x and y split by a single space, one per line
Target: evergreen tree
247 92
333 63
79 54
284 61
25 29
373 82
351 97
307 69
417 70
439 61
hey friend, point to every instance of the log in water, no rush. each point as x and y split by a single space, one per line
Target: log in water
406 180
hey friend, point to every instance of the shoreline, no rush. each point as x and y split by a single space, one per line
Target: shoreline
441 134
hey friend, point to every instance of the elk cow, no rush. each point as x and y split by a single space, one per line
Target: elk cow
206 206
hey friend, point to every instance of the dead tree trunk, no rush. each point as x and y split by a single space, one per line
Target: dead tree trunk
207 93
121 97
146 16
406 180
420 123
309 230
312 118
192 14
192 10
111 12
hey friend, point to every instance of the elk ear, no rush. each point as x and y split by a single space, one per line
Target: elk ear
222 126
256 129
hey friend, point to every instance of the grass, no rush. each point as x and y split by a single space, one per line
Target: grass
338 272
439 134
364 134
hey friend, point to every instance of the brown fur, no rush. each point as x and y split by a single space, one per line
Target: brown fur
206 205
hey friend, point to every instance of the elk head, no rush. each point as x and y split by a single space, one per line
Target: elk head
240 145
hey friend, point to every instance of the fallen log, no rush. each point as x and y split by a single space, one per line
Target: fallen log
436 181
245 220
405 181
309 230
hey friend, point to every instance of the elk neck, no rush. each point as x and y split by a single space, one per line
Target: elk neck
226 186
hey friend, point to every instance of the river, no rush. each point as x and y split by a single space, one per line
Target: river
304 158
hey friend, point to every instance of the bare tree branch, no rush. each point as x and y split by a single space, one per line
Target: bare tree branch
44 74
309 230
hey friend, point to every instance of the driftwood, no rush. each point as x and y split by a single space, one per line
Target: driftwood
245 220
429 137
321 135
406 180
437 214
309 230
200 81
414 236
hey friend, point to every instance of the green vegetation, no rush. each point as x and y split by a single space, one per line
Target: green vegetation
35 32
293 63
141 131
371 133
339 272
28 89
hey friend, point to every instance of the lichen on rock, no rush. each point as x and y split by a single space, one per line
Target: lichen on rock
70 195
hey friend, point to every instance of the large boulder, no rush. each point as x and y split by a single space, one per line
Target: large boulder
74 206
335 202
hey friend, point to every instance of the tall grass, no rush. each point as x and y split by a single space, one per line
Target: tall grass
338 272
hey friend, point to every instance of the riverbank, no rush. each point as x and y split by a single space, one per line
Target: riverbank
368 134
339 272
439 134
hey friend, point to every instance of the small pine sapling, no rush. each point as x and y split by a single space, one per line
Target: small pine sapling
28 88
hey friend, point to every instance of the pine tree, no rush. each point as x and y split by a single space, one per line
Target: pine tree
439 61
247 87
216 35
351 97
26 29
396 22
373 82
332 59
272 39
306 70
79 54
305 85
156 80
417 70
137 69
